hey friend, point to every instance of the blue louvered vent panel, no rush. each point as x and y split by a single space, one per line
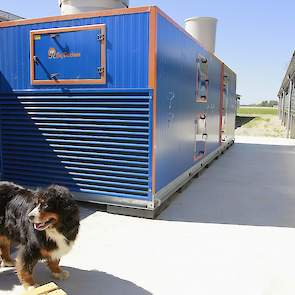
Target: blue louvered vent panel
91 144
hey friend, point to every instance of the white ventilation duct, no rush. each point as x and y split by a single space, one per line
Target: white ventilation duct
204 30
79 6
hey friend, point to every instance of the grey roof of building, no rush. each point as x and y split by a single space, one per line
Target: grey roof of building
289 74
6 16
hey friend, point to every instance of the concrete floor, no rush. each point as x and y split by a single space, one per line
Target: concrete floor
231 231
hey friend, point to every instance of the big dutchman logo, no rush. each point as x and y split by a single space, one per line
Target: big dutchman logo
54 54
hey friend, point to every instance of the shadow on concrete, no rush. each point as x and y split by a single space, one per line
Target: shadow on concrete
86 282
8 279
250 185
242 120
87 209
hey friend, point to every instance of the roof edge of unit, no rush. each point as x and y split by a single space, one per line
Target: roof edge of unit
83 15
7 16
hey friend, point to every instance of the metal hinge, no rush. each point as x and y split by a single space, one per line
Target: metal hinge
201 59
100 70
100 37
54 76
54 35
36 60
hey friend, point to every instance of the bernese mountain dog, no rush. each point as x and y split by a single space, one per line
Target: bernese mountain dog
43 224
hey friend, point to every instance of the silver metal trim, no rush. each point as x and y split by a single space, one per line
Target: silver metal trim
115 201
166 192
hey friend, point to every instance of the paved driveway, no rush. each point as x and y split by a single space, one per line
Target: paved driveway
231 231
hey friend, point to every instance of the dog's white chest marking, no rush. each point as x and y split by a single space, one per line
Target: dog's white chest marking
63 246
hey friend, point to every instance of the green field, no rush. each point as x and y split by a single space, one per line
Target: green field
259 121
257 111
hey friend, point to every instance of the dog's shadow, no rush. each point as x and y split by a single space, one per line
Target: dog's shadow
86 282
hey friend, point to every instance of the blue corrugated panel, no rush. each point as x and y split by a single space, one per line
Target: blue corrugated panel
97 144
177 108
127 52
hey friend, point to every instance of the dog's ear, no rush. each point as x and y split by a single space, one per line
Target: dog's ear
63 196
59 191
70 217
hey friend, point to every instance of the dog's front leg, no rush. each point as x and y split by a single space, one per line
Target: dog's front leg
24 267
56 270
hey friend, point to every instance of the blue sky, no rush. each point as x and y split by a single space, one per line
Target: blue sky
253 37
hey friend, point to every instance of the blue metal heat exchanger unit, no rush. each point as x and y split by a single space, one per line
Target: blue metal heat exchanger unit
121 106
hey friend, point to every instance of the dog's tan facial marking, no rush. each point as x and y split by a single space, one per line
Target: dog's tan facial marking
5 247
48 216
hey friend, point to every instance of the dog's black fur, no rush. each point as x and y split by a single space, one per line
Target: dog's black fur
56 211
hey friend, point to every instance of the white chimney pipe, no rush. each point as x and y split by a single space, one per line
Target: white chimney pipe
204 30
79 6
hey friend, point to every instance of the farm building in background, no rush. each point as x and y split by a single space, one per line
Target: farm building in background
6 16
287 99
